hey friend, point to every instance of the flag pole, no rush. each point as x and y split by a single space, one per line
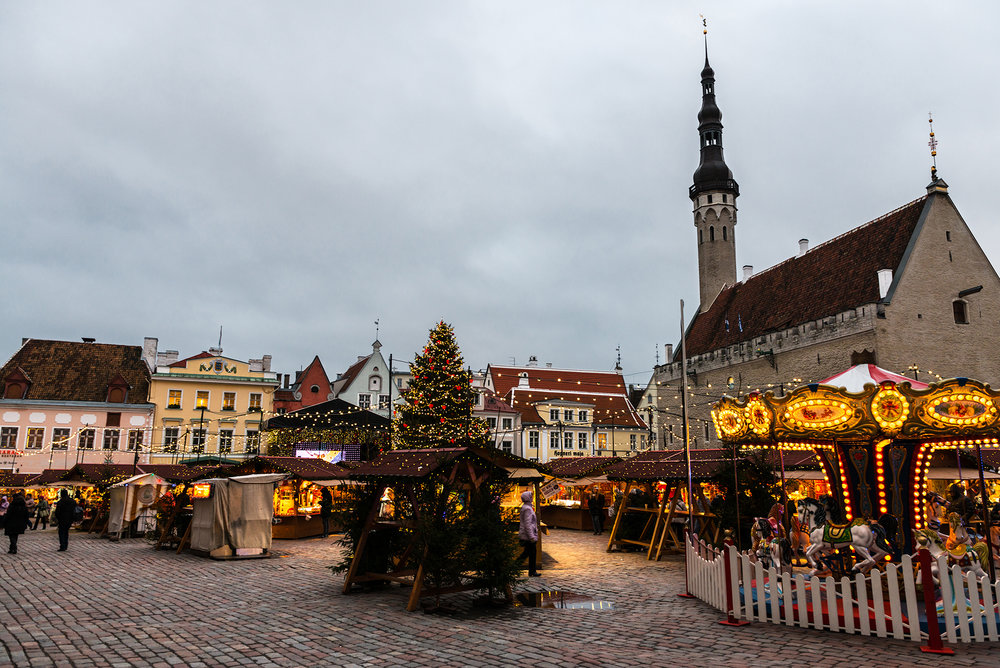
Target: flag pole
687 453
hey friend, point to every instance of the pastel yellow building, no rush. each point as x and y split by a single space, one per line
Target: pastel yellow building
209 406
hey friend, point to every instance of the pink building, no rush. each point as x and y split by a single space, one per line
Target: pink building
66 402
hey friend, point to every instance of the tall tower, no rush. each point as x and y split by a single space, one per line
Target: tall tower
714 196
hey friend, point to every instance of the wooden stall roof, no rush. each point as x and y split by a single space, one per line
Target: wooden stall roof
580 467
416 464
299 467
48 476
662 465
99 473
795 460
176 473
8 479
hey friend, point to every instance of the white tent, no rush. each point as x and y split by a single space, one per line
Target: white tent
235 519
135 498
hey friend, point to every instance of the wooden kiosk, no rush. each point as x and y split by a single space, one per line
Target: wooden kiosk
407 473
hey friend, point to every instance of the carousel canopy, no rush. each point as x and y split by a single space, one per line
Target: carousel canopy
859 375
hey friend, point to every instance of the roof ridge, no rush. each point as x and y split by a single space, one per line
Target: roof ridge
840 236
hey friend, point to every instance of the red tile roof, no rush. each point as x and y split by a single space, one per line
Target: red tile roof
352 372
200 356
833 277
605 390
77 371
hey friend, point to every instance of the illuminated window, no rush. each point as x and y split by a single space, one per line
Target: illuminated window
228 401
36 438
111 439
136 438
602 441
60 438
86 439
255 401
201 400
174 400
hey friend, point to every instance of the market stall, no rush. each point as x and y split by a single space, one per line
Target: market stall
134 500
297 496
232 516
565 492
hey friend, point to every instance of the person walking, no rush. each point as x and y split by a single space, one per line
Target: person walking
528 533
326 510
16 521
596 504
65 513
42 511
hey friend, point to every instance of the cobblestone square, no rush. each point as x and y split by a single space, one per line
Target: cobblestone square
124 604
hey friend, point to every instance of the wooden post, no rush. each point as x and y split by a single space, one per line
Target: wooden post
934 644
185 539
359 549
618 515
730 619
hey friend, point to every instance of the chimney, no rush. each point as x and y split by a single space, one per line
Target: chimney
533 361
884 281
215 351
267 363
522 381
548 365
167 357
747 271
803 247
87 339
149 352
286 381
668 351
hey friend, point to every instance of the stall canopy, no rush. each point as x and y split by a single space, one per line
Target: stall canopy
133 497
85 475
177 473
305 468
10 480
855 378
234 520
333 414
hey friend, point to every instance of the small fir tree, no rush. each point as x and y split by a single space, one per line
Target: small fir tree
440 399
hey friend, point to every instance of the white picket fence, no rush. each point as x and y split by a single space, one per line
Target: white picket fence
884 604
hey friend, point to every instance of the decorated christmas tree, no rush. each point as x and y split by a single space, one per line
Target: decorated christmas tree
439 400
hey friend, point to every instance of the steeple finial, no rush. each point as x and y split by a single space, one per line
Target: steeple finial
933 144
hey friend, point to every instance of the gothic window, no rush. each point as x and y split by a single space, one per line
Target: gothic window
701 236
711 233
724 236
961 314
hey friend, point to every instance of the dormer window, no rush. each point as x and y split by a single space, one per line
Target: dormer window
16 385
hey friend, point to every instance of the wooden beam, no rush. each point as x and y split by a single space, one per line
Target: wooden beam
359 549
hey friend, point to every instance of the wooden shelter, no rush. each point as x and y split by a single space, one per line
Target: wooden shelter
573 475
404 471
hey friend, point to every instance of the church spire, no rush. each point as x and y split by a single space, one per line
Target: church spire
713 194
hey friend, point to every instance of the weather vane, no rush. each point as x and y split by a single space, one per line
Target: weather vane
933 144
376 329
704 24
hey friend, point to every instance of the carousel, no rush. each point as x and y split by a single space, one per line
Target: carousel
880 440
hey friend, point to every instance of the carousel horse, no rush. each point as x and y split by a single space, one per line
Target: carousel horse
968 557
798 536
868 539
768 541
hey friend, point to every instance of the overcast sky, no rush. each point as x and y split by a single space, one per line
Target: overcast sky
295 171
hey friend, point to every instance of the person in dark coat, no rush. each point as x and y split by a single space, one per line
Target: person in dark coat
326 510
65 510
16 521
596 504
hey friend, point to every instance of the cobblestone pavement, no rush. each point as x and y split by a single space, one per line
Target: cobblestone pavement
123 604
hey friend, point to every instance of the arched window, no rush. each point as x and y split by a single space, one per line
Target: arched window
724 237
116 395
711 233
314 389
961 312
13 391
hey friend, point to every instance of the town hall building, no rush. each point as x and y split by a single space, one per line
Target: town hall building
911 291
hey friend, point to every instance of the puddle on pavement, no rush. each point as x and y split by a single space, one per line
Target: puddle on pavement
560 600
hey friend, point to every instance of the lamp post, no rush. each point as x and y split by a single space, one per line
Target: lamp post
201 430
562 441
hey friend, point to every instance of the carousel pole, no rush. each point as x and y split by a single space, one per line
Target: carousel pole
736 494
784 490
687 455
986 513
